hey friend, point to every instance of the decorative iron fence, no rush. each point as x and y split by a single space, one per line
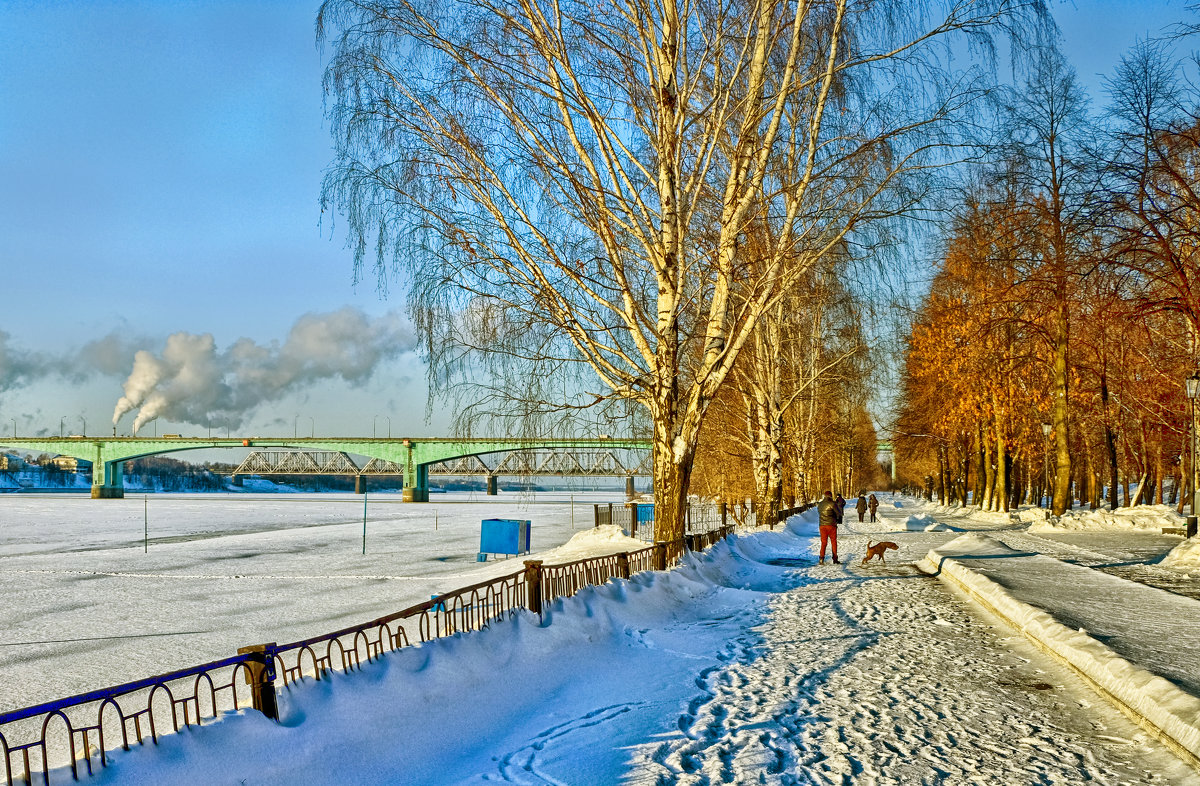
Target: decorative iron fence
73 732
77 732
636 519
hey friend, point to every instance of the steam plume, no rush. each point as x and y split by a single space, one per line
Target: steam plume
193 382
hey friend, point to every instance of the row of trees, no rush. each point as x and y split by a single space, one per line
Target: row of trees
1051 352
616 207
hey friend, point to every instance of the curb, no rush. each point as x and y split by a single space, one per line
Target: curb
1160 707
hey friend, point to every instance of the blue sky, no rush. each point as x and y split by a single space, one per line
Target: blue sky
160 166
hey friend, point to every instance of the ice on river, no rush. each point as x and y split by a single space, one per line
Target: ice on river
91 602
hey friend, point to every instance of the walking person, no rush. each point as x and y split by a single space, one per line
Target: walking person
861 507
828 516
839 506
873 505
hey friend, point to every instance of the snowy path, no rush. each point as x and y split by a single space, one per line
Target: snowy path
874 677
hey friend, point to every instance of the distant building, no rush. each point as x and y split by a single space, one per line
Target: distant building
11 463
69 464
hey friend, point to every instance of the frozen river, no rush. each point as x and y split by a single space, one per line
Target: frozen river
99 592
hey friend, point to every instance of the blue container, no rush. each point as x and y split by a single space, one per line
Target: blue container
504 536
645 513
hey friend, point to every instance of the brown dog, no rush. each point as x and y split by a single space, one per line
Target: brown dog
878 550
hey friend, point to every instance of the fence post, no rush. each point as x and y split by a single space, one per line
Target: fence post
596 514
260 676
533 585
724 508
623 564
660 555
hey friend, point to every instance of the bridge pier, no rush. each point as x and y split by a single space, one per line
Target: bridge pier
108 492
630 491
360 484
108 480
419 491
491 485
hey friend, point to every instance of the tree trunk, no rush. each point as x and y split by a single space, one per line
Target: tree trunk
990 473
1062 444
672 473
1158 470
1110 443
981 467
1001 493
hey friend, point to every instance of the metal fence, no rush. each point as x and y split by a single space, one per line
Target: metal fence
636 519
74 734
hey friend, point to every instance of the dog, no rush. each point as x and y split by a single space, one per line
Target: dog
879 550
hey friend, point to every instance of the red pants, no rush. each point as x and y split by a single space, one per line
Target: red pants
828 535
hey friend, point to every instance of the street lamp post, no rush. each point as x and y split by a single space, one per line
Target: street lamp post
1192 384
389 420
1046 429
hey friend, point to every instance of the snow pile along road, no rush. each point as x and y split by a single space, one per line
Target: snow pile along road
1185 556
1142 517
1156 703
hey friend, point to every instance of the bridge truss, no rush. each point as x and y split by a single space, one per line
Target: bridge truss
561 462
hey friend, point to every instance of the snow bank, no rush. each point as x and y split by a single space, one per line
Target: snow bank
608 539
586 683
923 522
1150 518
1185 556
804 524
1032 515
1154 701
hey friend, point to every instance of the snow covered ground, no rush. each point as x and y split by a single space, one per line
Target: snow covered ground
750 664
89 604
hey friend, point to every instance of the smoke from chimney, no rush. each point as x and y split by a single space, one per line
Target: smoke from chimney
193 382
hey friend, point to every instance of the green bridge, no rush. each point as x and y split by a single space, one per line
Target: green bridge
413 454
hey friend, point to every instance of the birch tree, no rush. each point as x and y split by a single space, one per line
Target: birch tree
565 185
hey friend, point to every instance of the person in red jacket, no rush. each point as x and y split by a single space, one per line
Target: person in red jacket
828 516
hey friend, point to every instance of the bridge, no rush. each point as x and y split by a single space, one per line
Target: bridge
412 457
545 462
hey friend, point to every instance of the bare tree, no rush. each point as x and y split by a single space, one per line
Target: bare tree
567 184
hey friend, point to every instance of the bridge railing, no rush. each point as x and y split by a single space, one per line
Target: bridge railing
68 737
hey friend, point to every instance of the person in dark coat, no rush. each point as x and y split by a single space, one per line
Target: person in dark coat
861 507
839 505
873 505
828 517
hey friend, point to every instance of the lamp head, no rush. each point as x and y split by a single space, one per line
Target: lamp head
1192 384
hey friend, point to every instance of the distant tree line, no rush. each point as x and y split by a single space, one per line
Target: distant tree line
1049 358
